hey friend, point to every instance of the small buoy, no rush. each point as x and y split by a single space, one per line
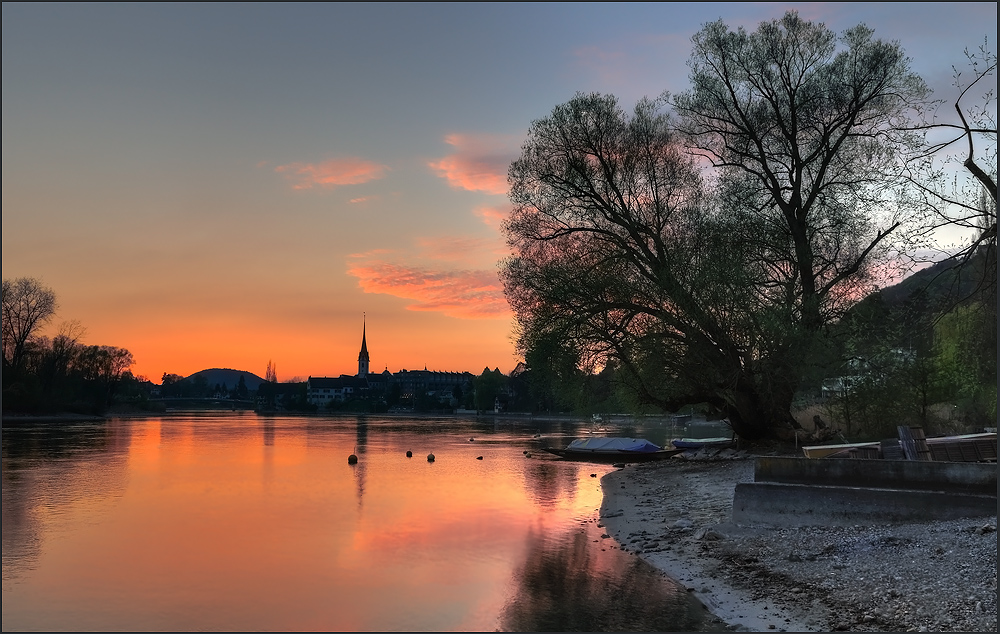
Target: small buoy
479 457
352 459
527 454
409 454
472 440
430 457
524 451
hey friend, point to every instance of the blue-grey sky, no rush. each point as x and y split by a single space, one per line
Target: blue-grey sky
225 184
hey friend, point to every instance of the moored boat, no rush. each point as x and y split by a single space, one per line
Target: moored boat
613 450
822 451
719 442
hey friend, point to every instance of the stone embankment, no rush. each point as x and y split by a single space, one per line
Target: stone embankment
924 576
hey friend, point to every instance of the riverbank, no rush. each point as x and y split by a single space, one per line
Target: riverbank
934 576
64 417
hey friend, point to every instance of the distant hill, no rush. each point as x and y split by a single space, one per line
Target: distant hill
230 378
905 313
941 284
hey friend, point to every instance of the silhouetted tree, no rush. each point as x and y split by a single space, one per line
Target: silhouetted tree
621 253
811 135
241 390
27 306
103 367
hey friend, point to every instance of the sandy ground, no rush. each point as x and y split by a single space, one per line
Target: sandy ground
937 576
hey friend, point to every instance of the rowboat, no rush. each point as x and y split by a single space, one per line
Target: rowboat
822 451
719 442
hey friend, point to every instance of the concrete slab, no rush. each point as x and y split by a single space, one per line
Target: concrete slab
810 505
958 477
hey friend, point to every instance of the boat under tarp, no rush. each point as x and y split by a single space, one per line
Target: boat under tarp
613 450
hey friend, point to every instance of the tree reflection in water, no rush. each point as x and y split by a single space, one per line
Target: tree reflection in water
550 482
579 582
48 465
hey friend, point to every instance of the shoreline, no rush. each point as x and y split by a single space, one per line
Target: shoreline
676 514
52 418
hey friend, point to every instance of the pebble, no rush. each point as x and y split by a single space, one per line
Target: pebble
928 576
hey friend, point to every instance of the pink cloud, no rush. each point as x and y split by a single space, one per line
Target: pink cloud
460 248
479 163
331 173
493 216
465 294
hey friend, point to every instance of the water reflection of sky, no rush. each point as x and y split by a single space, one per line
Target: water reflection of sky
244 522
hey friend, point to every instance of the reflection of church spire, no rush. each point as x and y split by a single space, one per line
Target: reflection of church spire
360 469
363 355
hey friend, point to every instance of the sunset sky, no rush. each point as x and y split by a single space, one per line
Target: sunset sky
220 185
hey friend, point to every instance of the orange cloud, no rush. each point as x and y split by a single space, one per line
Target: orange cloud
332 173
479 163
465 294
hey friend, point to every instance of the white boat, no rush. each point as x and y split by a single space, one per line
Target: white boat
719 442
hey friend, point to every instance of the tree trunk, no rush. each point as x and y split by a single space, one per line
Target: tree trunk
755 414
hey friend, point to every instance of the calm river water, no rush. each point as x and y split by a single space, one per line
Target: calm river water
239 521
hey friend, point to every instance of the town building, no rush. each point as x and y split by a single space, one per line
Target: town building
407 386
322 390
438 386
363 355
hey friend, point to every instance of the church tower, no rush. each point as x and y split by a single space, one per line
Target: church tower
363 355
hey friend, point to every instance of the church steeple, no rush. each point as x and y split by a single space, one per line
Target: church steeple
363 355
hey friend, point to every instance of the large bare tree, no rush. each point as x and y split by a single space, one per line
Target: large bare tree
811 127
617 253
715 293
965 134
27 306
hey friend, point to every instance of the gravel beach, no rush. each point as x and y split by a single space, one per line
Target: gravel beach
676 514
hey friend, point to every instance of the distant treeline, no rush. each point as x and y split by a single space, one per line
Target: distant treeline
58 374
